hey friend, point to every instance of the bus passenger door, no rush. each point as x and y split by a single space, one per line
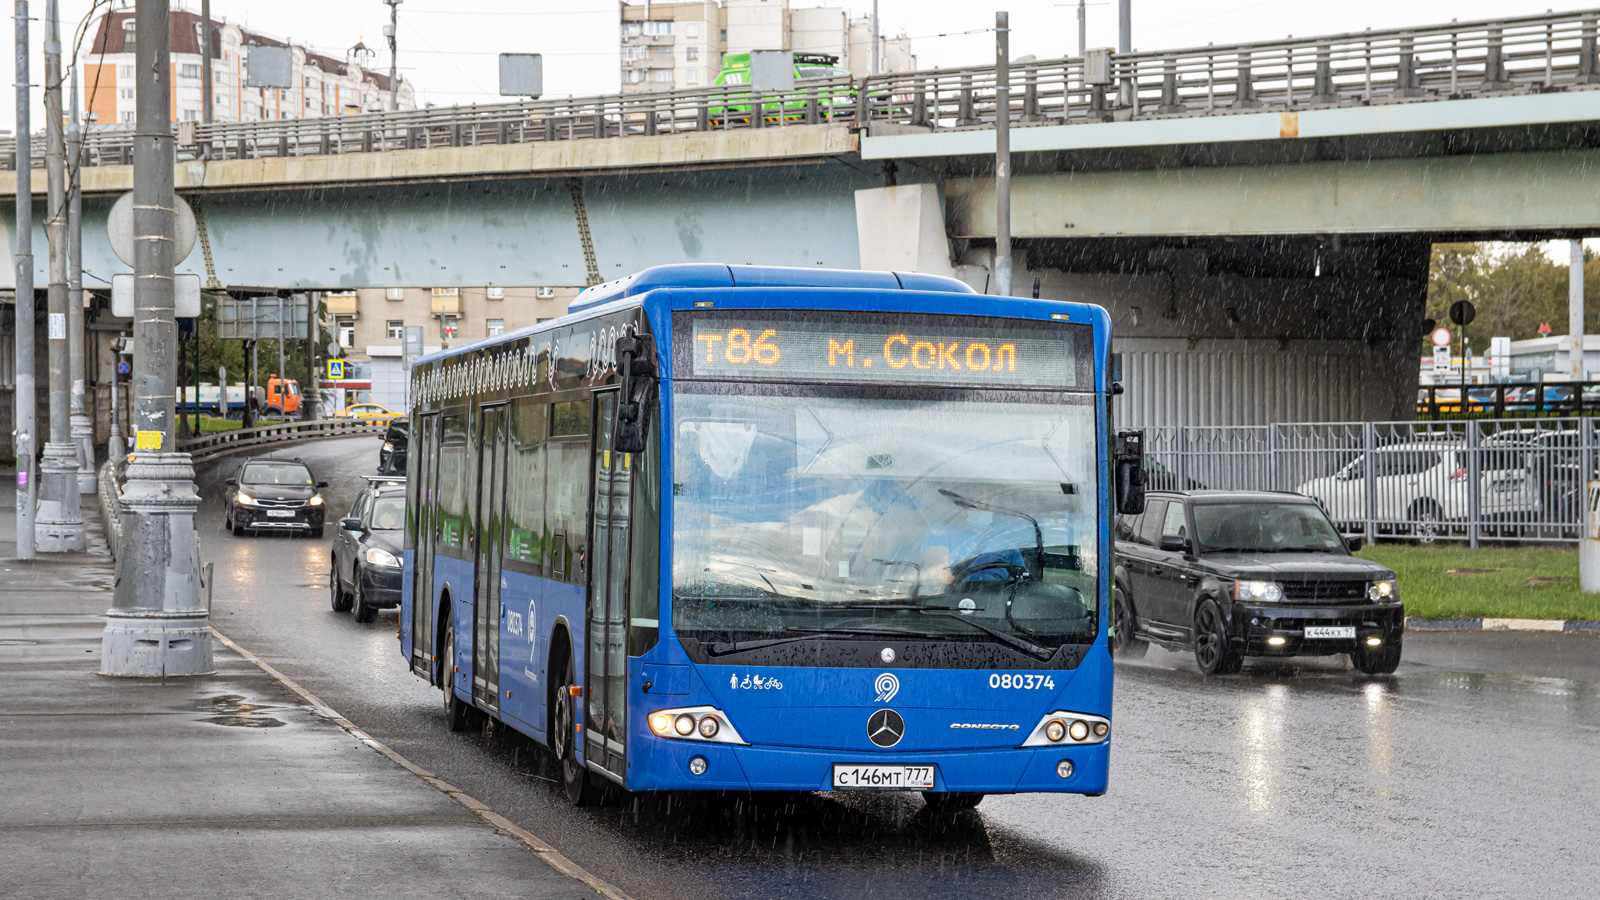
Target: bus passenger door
606 687
486 610
425 452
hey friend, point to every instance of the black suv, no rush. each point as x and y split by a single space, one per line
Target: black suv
1240 573
273 494
365 575
392 455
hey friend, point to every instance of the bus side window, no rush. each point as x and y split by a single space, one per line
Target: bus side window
525 484
568 497
451 526
644 601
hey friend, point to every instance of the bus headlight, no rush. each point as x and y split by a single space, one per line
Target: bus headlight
705 724
1258 591
1379 591
1062 727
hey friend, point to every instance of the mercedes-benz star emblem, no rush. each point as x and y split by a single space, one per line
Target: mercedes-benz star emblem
887 655
885 728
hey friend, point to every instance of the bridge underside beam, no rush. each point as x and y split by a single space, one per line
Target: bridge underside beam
1543 194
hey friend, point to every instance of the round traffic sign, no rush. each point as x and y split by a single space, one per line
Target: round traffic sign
1441 337
1462 312
119 229
124 367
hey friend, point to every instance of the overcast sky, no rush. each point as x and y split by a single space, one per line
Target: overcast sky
448 47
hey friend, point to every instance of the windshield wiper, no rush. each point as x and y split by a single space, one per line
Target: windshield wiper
722 648
960 615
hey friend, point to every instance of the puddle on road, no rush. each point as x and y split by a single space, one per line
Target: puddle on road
235 711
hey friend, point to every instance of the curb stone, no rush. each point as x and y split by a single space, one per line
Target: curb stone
1417 623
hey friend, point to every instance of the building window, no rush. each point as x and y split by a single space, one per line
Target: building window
497 326
662 76
632 29
692 76
190 115
497 293
224 100
447 292
191 70
544 293
397 330
125 93
632 76
129 42
659 28
632 53
394 293
126 118
124 71
692 54
723 35
692 29
347 333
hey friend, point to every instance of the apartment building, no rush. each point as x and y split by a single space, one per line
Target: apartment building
679 46
323 85
370 324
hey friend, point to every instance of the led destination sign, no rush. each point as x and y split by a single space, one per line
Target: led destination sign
977 355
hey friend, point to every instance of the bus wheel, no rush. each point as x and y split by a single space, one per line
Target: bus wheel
456 713
951 801
563 739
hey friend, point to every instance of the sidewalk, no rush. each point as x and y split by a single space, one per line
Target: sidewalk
225 785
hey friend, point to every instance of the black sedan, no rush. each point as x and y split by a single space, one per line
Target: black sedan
1233 574
392 455
271 494
365 574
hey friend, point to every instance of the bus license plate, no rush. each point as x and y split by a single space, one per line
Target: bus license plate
280 513
882 778
1330 631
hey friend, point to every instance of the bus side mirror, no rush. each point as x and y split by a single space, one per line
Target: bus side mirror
1129 472
636 361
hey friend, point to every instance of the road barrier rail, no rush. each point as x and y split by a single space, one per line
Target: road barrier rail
1465 480
1535 54
218 442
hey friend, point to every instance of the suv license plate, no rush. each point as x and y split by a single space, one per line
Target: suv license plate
280 513
1330 631
882 778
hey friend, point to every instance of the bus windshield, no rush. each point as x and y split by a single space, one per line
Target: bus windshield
813 511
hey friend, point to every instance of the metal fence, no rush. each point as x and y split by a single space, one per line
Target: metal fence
1497 480
208 445
1524 54
1500 401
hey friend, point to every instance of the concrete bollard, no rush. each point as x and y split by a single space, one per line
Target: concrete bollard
1589 546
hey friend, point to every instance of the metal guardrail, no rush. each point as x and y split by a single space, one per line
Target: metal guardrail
1524 54
1499 480
206 446
1514 400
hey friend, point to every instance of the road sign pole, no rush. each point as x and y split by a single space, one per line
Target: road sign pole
59 526
157 626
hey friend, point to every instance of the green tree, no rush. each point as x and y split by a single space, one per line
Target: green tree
1514 289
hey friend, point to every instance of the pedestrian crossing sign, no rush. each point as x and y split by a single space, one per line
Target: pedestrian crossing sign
335 369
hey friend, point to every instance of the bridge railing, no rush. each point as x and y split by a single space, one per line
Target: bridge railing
208 445
1525 54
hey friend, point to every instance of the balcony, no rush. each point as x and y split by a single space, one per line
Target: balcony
446 305
341 304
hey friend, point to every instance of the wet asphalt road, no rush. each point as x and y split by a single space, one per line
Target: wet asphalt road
1471 772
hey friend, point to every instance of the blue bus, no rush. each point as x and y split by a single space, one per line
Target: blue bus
744 528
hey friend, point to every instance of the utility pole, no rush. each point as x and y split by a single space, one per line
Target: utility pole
1125 43
394 55
22 397
205 80
875 37
1083 29
1002 154
82 425
157 625
1577 367
59 527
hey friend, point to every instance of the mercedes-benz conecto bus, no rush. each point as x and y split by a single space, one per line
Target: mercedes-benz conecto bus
742 528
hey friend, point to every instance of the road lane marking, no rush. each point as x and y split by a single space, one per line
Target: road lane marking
542 850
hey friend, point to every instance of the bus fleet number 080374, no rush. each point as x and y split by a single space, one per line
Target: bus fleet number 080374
1020 682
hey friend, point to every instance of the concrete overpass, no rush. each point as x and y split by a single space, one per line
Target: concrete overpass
1257 217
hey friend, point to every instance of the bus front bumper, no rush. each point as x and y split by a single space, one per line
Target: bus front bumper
664 765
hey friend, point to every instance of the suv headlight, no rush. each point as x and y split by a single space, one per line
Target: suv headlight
1380 591
244 499
381 557
705 724
316 500
1258 591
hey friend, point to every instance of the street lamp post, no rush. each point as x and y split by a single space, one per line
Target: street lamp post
59 526
1002 154
22 396
394 54
82 426
157 625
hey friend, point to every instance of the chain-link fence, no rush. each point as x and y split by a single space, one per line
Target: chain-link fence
1500 480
